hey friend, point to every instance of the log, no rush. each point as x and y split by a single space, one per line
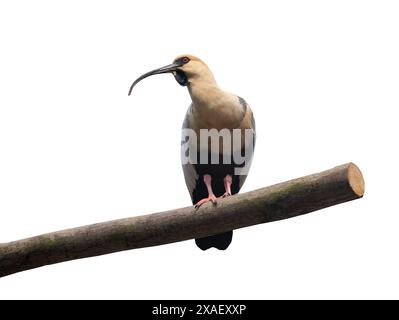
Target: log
280 201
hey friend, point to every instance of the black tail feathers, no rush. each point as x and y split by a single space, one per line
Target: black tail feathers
220 241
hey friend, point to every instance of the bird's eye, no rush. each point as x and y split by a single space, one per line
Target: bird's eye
185 60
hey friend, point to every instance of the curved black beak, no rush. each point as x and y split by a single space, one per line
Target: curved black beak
169 68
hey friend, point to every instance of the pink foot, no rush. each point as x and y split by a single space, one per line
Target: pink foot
228 180
210 198
226 194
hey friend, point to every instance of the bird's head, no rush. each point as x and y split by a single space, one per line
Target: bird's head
187 69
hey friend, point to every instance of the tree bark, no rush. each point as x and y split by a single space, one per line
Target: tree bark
280 201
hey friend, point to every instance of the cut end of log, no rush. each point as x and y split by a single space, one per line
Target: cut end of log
356 181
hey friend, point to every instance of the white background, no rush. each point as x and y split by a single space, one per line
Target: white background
322 78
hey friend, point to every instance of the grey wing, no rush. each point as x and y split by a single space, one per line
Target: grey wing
190 173
249 125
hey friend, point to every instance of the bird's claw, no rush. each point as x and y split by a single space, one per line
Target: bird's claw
226 194
211 198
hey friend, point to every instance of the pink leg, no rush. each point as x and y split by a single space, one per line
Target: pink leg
228 180
211 196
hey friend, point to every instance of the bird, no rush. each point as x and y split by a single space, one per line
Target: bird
211 172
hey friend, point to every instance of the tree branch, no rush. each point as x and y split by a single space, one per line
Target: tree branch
280 201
